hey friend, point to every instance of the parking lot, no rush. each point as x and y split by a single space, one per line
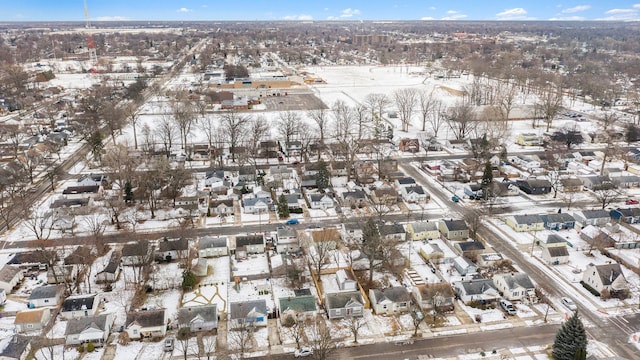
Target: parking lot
293 102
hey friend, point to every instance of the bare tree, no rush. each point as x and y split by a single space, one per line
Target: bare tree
167 132
183 116
549 104
354 325
321 118
288 125
462 119
323 341
40 223
131 112
417 318
428 104
234 126
207 125
607 193
241 337
405 100
320 251
378 103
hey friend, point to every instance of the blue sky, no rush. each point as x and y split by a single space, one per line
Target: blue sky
62 10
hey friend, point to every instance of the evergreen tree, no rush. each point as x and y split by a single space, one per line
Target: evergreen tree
487 180
571 340
322 176
128 192
189 279
283 207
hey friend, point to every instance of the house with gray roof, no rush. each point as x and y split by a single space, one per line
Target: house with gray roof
18 348
592 217
255 205
522 223
253 312
300 307
10 277
173 249
423 230
476 290
198 318
555 255
287 240
464 266
110 272
514 286
454 229
561 221
430 296
351 232
250 244
629 215
605 277
391 300
469 249
392 232
91 329
320 201
146 324
344 304
47 295
212 246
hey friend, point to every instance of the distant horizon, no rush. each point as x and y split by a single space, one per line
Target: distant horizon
328 10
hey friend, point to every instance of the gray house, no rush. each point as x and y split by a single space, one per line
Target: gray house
173 249
251 244
390 300
592 217
454 229
91 329
198 318
253 312
47 295
345 304
480 290
209 246
17 348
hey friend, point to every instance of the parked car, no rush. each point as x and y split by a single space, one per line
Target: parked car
304 352
507 306
632 202
569 304
169 344
292 222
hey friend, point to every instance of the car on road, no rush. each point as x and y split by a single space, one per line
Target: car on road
632 202
292 222
455 198
507 306
569 304
303 352
169 344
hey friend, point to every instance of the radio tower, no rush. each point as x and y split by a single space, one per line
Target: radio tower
91 45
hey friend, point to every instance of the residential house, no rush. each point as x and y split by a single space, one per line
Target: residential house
454 229
210 246
559 221
592 217
339 168
79 192
555 255
570 185
351 231
473 191
439 296
476 290
594 182
514 286
83 305
528 139
59 274
327 238
365 171
414 194
255 205
431 251
32 320
464 266
198 318
502 189
469 249
405 182
293 202
346 280
17 348
384 196
251 312
175 249
36 260
137 253
392 232
46 295
523 223
534 186
300 307
110 272
390 301
607 277
10 277
344 304
554 240
250 244
597 238
320 201
489 259
626 181
423 230
584 156
215 178
409 145
526 162
92 180
221 207
629 216
246 174
287 240
146 324
187 202
91 329
355 198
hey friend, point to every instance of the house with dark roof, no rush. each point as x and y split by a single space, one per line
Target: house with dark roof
146 324
250 244
137 253
173 249
111 271
344 304
351 232
320 201
255 205
514 286
476 290
570 185
435 295
221 207
554 240
523 223
253 312
92 180
629 216
555 255
534 186
46 295
605 277
10 277
287 240
210 246
489 259
389 301
355 198
414 194
561 221
35 260
300 307
90 329
469 249
464 266
592 217
392 232
454 229
198 318
83 305
32 320
18 348
79 192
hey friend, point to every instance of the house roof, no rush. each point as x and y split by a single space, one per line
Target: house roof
8 272
240 310
146 318
78 325
390 229
140 248
16 347
113 264
557 251
78 302
208 313
394 294
609 272
30 316
422 226
217 202
286 232
32 257
291 198
477 286
173 245
470 245
319 197
518 280
210 242
254 201
454 225
245 240
415 189
527 219
298 303
558 218
431 290
555 239
81 255
356 194
537 183
89 189
595 214
406 181
343 299
630 212
45 292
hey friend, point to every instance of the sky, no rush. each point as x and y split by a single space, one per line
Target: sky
212 10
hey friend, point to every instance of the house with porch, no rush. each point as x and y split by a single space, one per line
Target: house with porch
174 249
392 232
390 301
198 318
414 194
27 321
344 304
477 290
423 230
287 240
250 312
320 201
300 307
515 286
592 217
629 215
250 244
46 295
438 296
91 329
558 221
213 246
524 223
607 277
146 324
10 277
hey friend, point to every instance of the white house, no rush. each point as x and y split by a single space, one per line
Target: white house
76 306
435 295
344 304
390 300
255 205
32 320
605 277
91 329
198 318
555 255
476 290
10 276
209 246
146 323
414 194
253 312
514 286
47 295
320 201
287 240
346 280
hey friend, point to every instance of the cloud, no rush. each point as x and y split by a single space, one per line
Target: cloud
512 14
205 6
427 18
349 12
621 15
576 9
112 18
568 18
301 17
184 10
432 8
454 15
636 6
